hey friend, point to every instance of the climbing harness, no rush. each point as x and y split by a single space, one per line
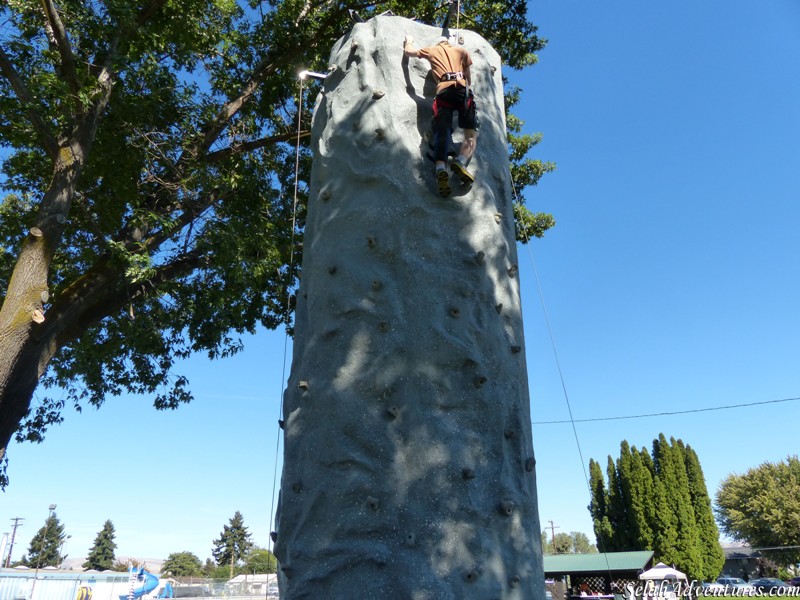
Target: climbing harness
453 76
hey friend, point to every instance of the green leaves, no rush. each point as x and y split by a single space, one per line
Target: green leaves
234 543
660 504
762 507
101 554
182 564
178 231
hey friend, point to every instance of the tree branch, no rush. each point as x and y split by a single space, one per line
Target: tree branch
226 113
24 96
62 42
98 294
220 155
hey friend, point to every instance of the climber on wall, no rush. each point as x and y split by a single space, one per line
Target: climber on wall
450 67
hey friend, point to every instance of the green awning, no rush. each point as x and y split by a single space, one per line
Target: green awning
597 563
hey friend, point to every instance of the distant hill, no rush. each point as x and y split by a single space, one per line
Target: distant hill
152 565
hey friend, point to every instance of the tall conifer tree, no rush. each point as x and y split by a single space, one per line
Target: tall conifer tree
658 503
45 548
710 550
233 543
671 470
638 487
616 509
101 555
597 506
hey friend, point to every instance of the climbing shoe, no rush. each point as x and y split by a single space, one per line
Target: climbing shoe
443 183
464 176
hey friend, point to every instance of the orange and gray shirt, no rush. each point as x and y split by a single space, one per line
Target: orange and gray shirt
445 61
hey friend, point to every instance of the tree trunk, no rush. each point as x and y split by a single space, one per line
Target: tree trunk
25 348
408 466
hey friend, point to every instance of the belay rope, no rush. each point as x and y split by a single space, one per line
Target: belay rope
301 77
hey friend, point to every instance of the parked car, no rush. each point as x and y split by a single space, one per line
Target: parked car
767 583
712 585
733 582
794 582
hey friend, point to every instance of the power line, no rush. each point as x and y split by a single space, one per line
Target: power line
667 413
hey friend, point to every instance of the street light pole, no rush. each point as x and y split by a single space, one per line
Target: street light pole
50 508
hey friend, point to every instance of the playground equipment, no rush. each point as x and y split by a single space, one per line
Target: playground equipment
149 583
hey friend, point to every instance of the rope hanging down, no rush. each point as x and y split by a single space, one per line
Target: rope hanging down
560 372
302 77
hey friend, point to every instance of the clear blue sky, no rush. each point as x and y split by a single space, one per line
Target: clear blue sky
671 281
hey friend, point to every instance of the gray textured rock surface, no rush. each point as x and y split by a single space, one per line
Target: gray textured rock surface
408 469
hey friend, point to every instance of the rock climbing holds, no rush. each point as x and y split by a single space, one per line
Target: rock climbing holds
507 507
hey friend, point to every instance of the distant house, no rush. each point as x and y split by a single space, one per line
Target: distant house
263 585
741 561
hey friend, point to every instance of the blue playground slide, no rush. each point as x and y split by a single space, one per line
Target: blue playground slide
149 583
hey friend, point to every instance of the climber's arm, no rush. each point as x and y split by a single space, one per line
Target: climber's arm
408 47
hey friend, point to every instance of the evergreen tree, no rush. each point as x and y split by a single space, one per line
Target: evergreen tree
598 506
233 543
616 510
665 529
672 472
45 548
710 550
658 503
630 497
101 555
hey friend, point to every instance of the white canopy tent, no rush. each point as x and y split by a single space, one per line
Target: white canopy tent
662 572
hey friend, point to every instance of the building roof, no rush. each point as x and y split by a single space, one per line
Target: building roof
740 552
597 563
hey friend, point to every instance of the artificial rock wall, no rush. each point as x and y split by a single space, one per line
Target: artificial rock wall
408 465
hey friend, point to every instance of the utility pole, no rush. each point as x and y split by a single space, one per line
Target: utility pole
553 534
13 535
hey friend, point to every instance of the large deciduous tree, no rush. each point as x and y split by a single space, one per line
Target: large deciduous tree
101 554
259 560
148 184
182 564
762 507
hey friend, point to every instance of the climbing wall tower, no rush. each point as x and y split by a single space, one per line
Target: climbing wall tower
408 466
